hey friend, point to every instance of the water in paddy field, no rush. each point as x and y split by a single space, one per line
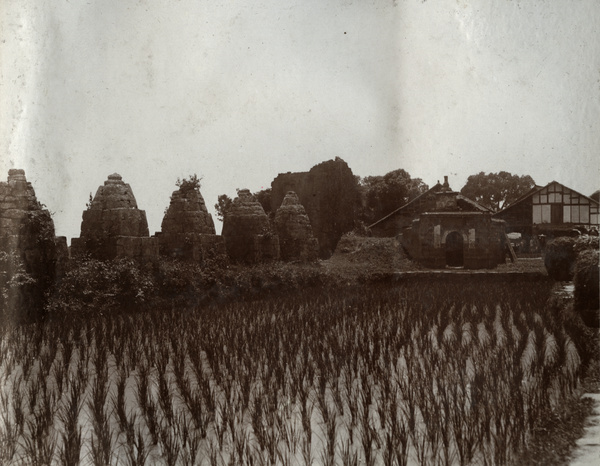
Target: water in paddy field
309 379
587 452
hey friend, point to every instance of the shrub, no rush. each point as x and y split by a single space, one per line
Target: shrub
586 285
17 289
186 283
584 243
560 258
102 286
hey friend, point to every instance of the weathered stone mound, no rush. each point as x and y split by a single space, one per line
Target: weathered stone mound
187 213
188 230
247 231
113 226
296 239
329 193
26 235
114 212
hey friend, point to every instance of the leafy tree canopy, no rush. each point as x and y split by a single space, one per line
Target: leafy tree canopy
189 184
384 194
264 197
223 204
496 190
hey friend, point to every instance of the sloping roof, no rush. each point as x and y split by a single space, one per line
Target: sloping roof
481 208
434 189
537 189
531 192
408 204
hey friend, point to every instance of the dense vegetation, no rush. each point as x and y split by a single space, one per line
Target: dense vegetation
369 375
497 190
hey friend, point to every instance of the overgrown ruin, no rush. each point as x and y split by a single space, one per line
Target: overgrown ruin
329 193
187 230
113 226
296 239
28 245
247 231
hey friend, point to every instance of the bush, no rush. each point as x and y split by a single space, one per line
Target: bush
584 243
561 255
586 285
187 283
18 290
560 258
102 287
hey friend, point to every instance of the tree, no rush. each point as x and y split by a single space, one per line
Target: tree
264 197
223 204
189 184
496 190
384 194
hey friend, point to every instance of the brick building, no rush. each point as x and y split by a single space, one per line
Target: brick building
448 229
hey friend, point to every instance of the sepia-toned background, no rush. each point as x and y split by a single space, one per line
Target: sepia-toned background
240 91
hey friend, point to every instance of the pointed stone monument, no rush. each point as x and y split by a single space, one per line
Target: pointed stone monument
296 239
247 231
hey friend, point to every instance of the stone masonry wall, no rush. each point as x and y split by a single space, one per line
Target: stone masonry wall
329 193
113 226
425 241
247 232
296 239
27 234
188 230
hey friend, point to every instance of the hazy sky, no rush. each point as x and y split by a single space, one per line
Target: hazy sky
239 91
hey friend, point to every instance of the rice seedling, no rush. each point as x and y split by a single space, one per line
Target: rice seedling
9 432
39 442
382 375
169 445
118 401
68 415
136 451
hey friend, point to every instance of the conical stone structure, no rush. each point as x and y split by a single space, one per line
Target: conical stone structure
296 239
247 231
187 213
26 237
187 229
113 226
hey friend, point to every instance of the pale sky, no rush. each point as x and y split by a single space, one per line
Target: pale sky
239 91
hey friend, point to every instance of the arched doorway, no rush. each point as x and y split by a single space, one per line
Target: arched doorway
454 249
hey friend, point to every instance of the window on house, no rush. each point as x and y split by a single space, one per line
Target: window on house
537 214
567 214
546 213
584 214
575 213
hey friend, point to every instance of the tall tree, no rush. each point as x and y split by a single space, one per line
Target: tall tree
496 190
222 206
384 194
264 197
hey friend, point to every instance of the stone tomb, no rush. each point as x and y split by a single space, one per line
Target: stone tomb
247 231
296 239
187 229
114 227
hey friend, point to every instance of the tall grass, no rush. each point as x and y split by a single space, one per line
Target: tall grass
380 375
